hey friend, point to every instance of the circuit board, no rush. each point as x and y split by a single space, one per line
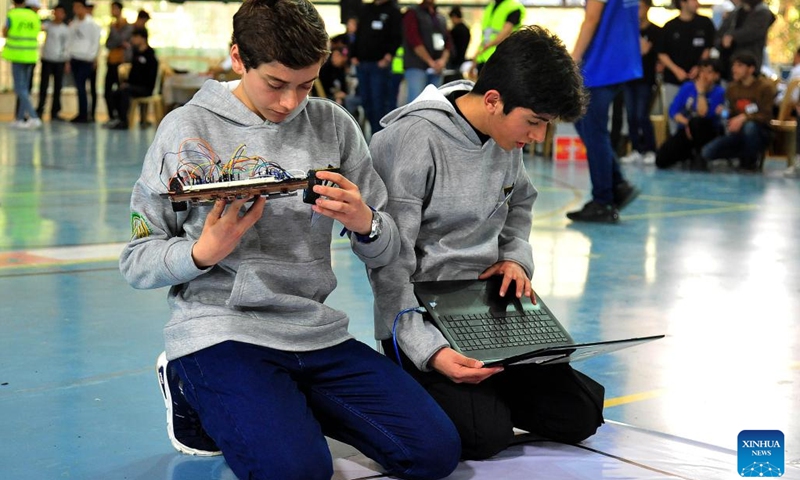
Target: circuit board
182 192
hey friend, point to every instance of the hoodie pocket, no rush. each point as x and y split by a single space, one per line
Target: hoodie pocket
270 283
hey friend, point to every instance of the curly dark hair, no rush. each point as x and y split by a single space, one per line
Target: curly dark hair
532 69
290 32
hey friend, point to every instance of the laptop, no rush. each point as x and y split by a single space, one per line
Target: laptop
481 324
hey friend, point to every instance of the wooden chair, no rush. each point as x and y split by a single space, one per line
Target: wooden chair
784 126
155 100
659 116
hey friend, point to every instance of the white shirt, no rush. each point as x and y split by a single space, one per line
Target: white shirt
56 44
84 39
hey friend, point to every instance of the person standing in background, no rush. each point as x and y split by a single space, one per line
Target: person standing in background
426 46
744 30
500 19
460 36
84 43
54 57
639 92
119 34
687 38
607 49
378 35
21 30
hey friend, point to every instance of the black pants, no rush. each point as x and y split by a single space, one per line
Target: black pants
111 84
120 101
55 70
555 401
679 147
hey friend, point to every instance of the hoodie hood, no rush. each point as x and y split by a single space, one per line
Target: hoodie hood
217 97
433 105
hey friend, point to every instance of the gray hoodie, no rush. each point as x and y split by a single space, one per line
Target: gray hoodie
270 290
461 206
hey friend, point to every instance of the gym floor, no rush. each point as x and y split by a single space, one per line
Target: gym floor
709 260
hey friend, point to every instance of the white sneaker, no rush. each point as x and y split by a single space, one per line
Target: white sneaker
649 158
18 124
633 157
34 123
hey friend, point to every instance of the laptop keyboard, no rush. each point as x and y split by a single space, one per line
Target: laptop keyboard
484 331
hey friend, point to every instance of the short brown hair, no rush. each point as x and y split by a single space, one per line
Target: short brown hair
290 32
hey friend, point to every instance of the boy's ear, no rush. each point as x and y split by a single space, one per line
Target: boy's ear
492 101
236 60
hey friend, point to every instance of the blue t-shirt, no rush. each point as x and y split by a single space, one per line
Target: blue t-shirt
613 55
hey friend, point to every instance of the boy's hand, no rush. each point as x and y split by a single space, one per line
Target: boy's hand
511 271
459 368
224 227
343 204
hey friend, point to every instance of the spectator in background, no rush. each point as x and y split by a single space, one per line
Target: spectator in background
639 92
119 34
84 43
140 83
744 29
33 5
333 78
377 38
749 96
607 49
21 30
686 39
793 74
460 36
500 19
54 58
93 75
696 109
426 46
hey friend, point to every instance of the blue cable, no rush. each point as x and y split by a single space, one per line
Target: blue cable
394 329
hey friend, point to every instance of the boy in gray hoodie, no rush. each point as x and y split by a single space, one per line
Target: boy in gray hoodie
462 200
256 365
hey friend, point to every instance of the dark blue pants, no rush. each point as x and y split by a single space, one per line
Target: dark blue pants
638 95
81 71
593 129
374 89
746 144
269 411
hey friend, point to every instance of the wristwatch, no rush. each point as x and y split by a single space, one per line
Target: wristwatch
375 230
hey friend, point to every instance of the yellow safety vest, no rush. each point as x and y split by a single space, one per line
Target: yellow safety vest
21 43
493 21
397 61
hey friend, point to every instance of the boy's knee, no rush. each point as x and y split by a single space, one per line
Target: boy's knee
440 461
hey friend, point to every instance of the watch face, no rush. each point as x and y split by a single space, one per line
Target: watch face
376 226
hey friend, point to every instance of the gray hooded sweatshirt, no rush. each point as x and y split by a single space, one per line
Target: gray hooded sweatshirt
270 290
461 206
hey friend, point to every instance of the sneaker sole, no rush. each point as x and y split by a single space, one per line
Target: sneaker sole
161 372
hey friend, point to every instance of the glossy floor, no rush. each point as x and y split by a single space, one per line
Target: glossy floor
710 260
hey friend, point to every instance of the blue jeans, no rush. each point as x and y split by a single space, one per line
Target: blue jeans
374 90
593 129
269 411
21 73
416 81
746 144
637 103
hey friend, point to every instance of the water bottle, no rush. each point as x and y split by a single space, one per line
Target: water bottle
724 115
